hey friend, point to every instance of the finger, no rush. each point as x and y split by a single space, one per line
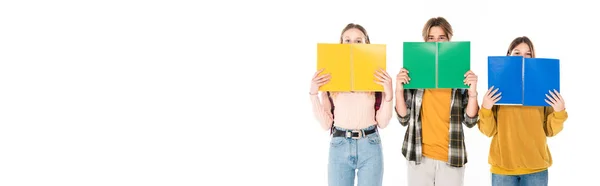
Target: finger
468 72
387 76
379 76
497 99
403 76
551 99
489 90
379 82
494 91
470 75
325 76
404 80
318 72
558 94
549 103
380 72
496 96
403 70
322 83
471 79
323 79
554 96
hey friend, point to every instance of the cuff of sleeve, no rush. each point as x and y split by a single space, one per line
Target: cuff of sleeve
561 114
471 120
485 112
400 118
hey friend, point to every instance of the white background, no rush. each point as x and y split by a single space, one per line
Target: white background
216 92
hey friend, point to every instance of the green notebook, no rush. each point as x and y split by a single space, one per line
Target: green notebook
437 64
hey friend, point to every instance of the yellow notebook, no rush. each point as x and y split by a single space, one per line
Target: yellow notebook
352 66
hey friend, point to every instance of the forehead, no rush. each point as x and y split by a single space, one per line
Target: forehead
353 33
436 30
522 47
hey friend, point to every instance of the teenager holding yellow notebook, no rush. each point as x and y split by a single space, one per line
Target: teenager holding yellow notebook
353 118
519 154
434 144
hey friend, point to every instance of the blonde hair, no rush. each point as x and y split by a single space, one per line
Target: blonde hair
437 21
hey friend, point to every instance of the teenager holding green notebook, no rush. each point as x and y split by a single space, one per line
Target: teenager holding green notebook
353 118
434 142
519 154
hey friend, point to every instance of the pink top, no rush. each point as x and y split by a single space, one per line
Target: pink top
353 110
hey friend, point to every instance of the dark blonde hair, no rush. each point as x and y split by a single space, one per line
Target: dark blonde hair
519 40
357 26
437 21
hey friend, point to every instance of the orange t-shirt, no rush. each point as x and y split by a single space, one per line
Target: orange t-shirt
435 119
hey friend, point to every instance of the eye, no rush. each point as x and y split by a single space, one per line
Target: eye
347 41
358 41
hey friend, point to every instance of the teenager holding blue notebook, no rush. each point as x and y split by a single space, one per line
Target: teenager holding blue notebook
519 154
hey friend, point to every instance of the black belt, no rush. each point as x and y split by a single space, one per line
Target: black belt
354 134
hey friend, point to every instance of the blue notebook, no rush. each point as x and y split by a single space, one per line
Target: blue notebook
523 81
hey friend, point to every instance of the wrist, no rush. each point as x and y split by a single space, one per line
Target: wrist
472 94
313 94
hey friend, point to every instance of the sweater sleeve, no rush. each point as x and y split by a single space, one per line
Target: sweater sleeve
384 114
487 121
322 110
554 121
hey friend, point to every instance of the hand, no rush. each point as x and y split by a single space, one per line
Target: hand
490 98
556 101
401 79
318 81
384 79
471 80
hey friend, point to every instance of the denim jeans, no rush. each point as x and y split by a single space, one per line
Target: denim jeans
534 179
349 157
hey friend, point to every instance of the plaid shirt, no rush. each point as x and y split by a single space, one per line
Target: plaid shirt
413 144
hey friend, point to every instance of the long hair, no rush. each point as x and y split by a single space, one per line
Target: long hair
357 26
519 40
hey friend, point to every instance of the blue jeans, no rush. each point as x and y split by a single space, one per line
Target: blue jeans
534 179
349 157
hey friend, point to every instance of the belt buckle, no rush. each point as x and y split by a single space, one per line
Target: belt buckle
349 134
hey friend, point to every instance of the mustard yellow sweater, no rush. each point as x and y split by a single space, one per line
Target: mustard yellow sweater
519 137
